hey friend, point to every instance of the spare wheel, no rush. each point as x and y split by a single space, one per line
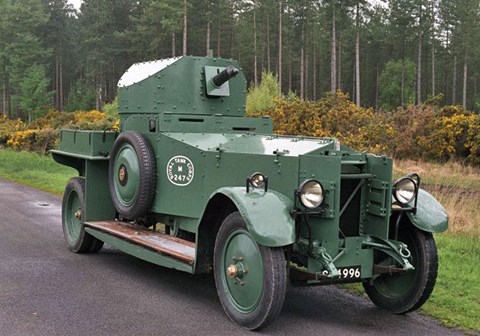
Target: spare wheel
132 175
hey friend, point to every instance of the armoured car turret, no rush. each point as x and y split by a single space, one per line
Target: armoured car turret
192 184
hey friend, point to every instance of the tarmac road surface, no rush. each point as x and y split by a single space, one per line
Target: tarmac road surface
47 290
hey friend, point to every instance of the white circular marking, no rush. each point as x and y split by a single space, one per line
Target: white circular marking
180 170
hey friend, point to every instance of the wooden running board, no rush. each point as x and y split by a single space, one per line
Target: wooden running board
159 242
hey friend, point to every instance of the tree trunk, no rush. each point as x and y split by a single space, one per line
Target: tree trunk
419 70
433 48
280 12
357 58
333 60
302 63
306 86
339 66
255 61
314 71
4 102
454 81
209 23
4 97
403 83
60 107
433 67
173 45
464 93
402 94
219 38
56 85
377 77
289 68
268 44
184 27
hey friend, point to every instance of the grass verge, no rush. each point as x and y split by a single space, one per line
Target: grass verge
34 170
456 298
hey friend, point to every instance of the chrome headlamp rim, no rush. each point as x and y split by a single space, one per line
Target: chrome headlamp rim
310 203
404 195
257 180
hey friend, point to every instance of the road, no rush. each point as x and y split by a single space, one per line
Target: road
47 290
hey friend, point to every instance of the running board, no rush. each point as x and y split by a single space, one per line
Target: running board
158 242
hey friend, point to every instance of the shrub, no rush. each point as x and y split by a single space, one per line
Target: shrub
93 120
333 116
261 97
111 109
9 126
43 133
54 120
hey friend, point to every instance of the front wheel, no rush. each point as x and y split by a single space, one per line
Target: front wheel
250 278
73 209
408 291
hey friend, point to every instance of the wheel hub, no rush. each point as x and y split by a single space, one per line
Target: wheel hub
122 175
232 271
237 270
78 214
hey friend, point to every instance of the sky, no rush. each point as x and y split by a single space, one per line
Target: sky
75 3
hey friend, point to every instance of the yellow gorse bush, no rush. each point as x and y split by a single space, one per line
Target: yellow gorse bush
43 134
415 132
8 126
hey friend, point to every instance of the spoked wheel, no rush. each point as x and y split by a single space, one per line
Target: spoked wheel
73 207
250 278
132 175
408 291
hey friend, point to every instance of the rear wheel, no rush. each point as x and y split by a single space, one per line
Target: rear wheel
250 278
73 209
408 291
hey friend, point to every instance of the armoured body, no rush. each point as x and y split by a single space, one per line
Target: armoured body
255 208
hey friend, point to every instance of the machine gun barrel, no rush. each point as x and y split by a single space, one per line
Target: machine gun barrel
225 76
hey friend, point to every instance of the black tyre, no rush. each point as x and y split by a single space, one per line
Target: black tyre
250 278
73 207
132 175
408 291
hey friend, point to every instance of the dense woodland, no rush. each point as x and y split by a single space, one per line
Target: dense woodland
384 54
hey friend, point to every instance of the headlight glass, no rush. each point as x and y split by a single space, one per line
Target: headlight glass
405 190
257 180
311 194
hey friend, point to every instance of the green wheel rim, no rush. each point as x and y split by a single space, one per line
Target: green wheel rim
126 177
73 217
245 289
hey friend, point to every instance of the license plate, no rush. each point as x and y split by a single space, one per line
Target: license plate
353 272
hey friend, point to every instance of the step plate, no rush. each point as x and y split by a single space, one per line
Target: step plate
159 242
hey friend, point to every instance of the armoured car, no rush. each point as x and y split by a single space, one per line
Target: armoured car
190 183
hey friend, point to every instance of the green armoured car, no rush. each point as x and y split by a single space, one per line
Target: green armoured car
192 184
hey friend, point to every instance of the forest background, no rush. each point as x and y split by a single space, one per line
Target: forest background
383 76
384 54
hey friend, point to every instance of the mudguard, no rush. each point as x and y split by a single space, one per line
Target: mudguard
267 215
431 216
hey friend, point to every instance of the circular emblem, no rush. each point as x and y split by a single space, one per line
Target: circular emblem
180 170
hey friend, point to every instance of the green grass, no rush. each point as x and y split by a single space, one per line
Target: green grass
450 174
34 170
456 298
